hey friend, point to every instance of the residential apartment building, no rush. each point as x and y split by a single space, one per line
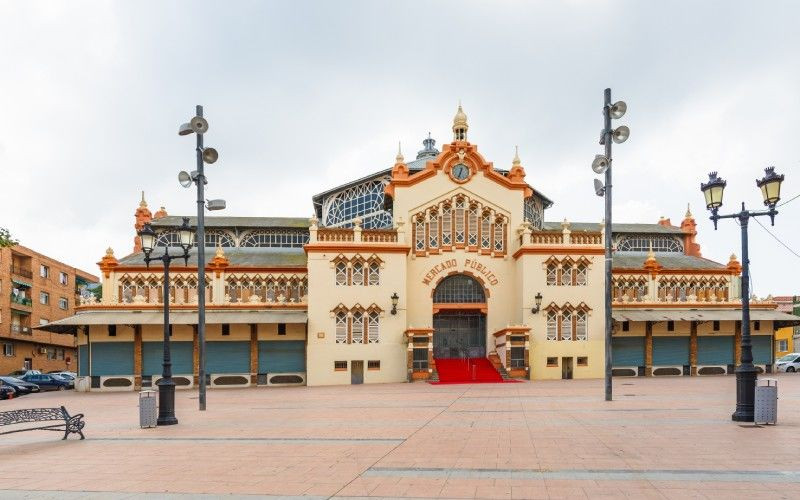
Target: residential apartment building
35 290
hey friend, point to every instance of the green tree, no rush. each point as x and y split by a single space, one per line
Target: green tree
6 240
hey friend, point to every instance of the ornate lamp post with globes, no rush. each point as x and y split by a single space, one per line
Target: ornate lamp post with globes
166 386
713 190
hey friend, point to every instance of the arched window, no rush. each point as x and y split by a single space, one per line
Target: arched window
358 327
581 273
216 238
374 274
552 274
447 226
280 238
358 273
459 289
433 231
486 231
580 325
473 225
552 325
373 334
534 211
419 234
642 243
566 325
341 274
168 239
566 273
460 220
365 200
499 241
341 327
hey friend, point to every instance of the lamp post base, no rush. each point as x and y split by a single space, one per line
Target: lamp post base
166 402
746 376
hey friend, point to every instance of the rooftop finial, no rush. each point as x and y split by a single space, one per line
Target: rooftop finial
516 156
429 149
142 203
399 158
688 212
460 124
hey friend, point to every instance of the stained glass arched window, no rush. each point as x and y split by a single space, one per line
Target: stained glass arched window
534 211
642 242
282 238
363 200
215 238
459 289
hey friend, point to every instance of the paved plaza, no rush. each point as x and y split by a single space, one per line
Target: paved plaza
660 438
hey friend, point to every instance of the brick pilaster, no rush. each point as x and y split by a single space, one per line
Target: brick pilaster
648 349
137 357
737 343
253 354
693 348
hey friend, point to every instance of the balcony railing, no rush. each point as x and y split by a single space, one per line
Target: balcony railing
21 271
15 299
24 330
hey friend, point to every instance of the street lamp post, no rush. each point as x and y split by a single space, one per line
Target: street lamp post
601 164
199 126
166 386
770 185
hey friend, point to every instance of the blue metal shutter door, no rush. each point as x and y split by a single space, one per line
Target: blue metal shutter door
762 349
153 357
112 358
627 351
228 357
281 356
717 350
670 351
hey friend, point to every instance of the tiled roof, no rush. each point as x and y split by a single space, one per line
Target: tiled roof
615 228
237 257
228 222
668 260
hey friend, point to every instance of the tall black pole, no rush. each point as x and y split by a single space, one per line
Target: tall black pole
166 386
609 320
746 374
201 269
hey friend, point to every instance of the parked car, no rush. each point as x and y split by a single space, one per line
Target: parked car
789 363
66 375
22 373
6 391
22 387
49 382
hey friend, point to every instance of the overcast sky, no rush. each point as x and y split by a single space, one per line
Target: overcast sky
303 96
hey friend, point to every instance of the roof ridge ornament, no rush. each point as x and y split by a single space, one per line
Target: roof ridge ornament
516 160
399 158
460 125
429 148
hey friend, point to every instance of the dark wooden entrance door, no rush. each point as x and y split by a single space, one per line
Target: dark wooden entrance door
459 334
566 368
357 372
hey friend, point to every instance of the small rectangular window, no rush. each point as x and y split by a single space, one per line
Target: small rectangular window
8 349
63 303
716 326
226 329
281 328
63 278
374 365
112 330
44 271
340 366
756 325
670 326
583 361
43 321
44 298
626 326
552 361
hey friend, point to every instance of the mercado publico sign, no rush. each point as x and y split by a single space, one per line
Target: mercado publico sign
474 266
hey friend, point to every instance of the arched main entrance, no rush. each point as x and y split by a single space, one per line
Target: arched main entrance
459 320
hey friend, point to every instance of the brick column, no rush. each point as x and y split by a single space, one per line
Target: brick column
137 357
693 348
737 343
254 354
648 349
195 357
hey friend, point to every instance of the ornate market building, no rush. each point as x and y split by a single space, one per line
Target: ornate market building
428 270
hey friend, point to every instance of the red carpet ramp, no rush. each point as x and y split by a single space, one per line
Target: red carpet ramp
467 371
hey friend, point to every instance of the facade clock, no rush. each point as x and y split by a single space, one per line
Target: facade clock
460 172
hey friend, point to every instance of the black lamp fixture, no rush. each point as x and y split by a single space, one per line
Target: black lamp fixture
166 386
394 298
770 185
538 306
